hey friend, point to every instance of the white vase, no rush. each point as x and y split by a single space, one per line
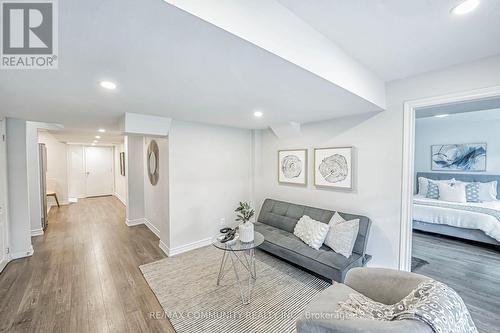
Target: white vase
245 231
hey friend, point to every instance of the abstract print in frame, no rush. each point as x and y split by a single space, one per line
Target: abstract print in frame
468 157
333 167
292 166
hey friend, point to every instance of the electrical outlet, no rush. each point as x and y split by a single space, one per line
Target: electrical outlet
222 221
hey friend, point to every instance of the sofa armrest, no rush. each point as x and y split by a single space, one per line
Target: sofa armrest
361 326
382 285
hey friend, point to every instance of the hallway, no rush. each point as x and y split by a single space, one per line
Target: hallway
84 275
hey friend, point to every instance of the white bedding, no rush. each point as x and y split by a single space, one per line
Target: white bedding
456 217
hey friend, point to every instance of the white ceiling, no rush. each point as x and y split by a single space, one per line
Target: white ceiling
492 105
88 136
402 38
166 62
170 63
490 115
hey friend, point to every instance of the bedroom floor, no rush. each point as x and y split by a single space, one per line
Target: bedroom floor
472 270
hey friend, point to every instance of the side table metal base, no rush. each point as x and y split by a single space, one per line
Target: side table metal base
243 264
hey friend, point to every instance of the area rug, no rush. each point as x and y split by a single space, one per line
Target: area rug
185 286
417 263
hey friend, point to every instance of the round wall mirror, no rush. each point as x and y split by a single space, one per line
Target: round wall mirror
153 162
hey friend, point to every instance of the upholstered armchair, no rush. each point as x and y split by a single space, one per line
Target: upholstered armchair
382 285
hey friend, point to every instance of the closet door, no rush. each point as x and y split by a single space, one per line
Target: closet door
99 171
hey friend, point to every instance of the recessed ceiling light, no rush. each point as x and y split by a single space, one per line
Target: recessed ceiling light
441 115
97 136
465 7
258 114
108 85
102 130
93 144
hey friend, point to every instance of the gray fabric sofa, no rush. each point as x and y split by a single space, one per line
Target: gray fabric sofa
276 222
386 286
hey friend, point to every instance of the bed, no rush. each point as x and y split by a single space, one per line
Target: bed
472 221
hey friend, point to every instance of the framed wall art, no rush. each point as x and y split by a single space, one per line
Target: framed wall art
333 167
467 157
292 166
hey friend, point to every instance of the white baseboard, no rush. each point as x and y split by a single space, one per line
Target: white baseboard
131 223
185 248
151 227
146 222
37 232
120 198
164 248
21 254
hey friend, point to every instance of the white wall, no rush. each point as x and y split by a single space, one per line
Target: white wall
210 171
470 127
378 141
17 179
372 164
134 161
76 172
33 167
120 181
57 166
156 198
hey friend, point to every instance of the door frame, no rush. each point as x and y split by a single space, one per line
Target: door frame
4 195
410 110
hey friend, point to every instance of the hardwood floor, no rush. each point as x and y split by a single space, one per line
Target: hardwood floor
84 275
472 270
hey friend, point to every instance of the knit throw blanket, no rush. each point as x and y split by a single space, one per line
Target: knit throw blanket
432 302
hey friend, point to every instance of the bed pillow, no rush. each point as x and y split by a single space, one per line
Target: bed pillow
488 191
432 190
311 232
452 192
342 235
472 192
423 184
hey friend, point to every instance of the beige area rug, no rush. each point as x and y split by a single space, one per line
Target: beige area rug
185 286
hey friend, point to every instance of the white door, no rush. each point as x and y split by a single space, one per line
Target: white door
99 171
3 199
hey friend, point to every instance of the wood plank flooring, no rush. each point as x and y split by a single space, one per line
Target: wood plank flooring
472 270
84 275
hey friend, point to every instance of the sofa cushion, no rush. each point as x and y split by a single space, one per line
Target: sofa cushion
290 242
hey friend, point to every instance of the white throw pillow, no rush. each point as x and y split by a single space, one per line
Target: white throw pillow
311 232
488 191
452 192
342 235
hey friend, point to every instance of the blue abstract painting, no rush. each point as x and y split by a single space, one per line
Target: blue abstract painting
459 157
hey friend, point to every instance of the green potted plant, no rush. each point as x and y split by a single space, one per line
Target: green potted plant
244 214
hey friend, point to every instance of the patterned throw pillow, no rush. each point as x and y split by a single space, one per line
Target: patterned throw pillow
342 235
472 192
432 191
311 232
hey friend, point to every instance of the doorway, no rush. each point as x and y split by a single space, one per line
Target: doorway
90 171
408 177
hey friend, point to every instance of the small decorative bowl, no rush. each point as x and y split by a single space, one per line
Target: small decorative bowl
231 242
